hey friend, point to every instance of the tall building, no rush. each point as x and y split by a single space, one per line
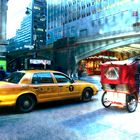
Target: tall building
24 34
81 18
3 21
33 27
31 35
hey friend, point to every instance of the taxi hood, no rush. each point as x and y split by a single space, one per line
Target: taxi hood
5 83
80 81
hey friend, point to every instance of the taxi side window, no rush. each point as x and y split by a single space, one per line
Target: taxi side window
61 78
42 78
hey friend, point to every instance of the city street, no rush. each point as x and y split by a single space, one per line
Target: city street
82 39
71 120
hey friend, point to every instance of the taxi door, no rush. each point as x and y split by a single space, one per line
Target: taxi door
67 88
44 86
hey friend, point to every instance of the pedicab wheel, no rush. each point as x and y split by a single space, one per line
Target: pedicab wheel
105 102
131 102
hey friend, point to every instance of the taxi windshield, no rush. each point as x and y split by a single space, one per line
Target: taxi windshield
15 77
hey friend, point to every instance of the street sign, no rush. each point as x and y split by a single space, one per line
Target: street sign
40 61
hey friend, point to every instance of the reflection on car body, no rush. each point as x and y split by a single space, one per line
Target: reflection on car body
24 89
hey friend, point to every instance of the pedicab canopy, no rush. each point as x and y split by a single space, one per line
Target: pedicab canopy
119 72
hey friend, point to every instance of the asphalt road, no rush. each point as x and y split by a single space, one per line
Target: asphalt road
71 120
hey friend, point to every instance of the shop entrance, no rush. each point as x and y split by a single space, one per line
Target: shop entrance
91 65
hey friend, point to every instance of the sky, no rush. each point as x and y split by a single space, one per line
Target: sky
15 13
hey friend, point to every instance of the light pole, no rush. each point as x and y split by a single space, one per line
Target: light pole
28 11
34 32
37 19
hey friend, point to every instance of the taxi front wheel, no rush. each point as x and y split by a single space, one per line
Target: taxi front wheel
87 95
25 103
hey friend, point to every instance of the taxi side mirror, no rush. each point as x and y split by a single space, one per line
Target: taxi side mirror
72 81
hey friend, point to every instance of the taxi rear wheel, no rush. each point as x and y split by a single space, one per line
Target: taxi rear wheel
25 103
87 95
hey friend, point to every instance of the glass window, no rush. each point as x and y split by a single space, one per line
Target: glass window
73 29
61 78
83 33
15 77
42 78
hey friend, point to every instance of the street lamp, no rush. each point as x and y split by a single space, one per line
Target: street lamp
37 18
28 12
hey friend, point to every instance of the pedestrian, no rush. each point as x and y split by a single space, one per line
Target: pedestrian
80 71
2 74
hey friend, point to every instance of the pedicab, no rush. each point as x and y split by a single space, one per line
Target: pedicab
118 79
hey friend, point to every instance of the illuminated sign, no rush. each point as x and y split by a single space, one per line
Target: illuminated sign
40 61
3 64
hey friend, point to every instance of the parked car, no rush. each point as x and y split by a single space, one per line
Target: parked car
24 89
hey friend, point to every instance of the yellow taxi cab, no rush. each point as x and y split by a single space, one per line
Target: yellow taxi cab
24 89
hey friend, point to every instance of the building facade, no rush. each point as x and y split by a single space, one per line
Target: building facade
3 42
87 18
67 19
32 31
81 18
30 37
23 35
3 21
